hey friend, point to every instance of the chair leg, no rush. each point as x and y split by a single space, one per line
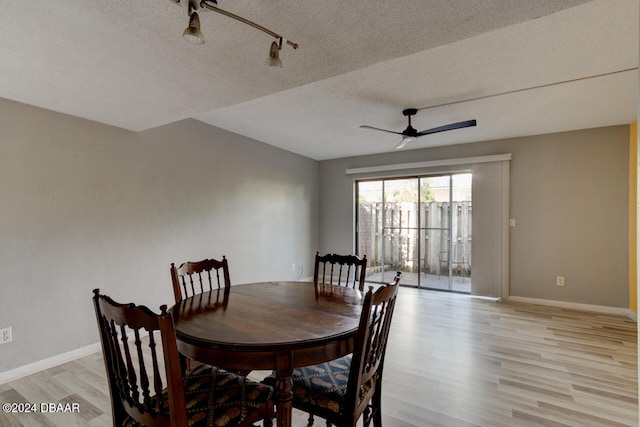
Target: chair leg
376 403
377 418
267 421
183 364
310 420
366 416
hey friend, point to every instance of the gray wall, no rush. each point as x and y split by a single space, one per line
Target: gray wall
84 205
569 195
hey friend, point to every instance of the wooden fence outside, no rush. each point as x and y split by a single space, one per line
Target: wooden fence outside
415 237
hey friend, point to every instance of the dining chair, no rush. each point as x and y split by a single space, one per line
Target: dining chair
341 270
146 384
194 277
344 389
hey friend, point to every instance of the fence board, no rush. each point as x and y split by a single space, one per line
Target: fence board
416 236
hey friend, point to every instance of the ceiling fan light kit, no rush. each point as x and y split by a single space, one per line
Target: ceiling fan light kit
410 134
194 34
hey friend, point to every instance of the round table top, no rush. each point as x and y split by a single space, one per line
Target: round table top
268 315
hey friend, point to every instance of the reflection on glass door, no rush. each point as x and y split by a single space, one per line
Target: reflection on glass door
420 226
400 227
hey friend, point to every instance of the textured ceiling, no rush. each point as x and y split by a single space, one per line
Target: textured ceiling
519 67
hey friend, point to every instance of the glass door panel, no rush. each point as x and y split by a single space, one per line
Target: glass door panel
369 227
400 228
434 204
420 226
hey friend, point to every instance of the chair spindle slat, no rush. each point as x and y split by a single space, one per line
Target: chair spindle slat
157 379
131 372
144 378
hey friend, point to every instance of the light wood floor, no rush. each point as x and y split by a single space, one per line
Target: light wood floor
452 360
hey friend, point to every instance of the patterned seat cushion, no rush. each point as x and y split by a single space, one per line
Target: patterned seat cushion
218 398
321 388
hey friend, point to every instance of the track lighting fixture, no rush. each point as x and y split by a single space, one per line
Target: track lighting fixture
193 33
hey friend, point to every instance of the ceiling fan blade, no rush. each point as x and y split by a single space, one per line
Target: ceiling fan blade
445 128
404 142
383 130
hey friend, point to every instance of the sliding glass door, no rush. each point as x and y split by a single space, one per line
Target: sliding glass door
419 225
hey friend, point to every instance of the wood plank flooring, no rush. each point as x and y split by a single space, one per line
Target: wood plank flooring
452 360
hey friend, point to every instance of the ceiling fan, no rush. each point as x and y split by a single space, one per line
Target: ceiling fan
409 134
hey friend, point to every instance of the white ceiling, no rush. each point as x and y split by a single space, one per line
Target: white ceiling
519 67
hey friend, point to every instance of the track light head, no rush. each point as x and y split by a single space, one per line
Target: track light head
274 61
192 33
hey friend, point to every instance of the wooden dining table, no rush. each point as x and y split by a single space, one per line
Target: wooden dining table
273 326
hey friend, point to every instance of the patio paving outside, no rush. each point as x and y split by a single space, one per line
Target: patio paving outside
427 281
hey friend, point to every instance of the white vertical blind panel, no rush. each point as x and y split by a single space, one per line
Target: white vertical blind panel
490 195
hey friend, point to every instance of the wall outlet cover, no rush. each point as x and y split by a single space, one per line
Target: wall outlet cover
6 335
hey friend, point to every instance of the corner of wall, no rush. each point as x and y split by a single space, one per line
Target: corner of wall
633 217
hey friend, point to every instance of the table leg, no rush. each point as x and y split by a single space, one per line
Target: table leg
284 393
284 396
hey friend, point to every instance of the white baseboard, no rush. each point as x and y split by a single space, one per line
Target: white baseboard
577 306
41 365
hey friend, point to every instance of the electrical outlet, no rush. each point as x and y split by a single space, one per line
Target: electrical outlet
293 266
6 335
560 281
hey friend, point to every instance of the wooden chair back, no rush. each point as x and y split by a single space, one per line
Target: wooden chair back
144 384
193 278
365 375
341 270
396 279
